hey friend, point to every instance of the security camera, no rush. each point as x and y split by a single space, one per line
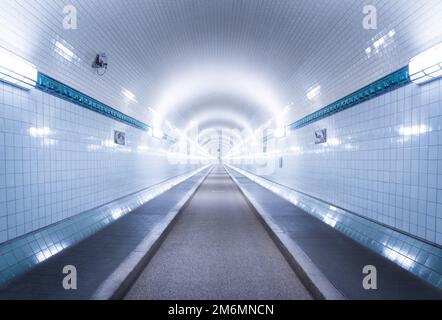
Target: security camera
100 62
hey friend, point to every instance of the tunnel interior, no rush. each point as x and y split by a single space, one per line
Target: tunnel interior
231 149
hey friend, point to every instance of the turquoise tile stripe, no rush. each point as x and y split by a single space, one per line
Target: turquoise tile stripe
56 88
65 92
391 82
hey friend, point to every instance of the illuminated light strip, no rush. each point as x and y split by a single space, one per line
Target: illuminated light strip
17 71
427 66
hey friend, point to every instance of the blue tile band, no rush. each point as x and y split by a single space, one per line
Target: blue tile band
391 82
60 90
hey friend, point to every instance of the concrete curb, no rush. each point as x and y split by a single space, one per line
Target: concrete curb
120 281
314 280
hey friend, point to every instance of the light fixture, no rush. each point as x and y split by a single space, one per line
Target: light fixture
17 71
426 66
129 95
279 133
313 92
157 133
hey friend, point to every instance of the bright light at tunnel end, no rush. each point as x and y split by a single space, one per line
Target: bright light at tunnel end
157 133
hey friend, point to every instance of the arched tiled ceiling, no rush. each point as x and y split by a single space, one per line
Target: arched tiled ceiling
173 55
213 132
209 85
217 102
213 117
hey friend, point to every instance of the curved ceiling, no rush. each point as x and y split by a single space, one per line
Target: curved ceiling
229 63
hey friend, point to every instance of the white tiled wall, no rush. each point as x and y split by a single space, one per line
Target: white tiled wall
383 160
58 159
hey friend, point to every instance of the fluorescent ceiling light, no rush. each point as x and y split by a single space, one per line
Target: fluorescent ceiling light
63 51
157 133
17 71
426 66
314 92
129 95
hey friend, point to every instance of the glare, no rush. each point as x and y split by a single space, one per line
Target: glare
129 95
381 43
17 71
313 92
39 132
108 143
142 148
117 213
413 130
279 133
63 51
334 142
157 133
157 118
397 255
329 219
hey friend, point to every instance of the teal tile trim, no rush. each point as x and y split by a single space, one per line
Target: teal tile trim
419 257
60 90
391 82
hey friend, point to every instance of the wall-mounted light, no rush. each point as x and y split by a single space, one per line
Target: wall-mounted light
313 92
157 133
17 71
426 66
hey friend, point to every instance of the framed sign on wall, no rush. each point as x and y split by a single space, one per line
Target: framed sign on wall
321 136
120 138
